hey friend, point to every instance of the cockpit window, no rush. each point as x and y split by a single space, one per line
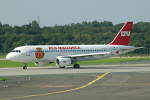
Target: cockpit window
18 51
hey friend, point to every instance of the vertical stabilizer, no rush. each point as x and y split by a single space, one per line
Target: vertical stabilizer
123 36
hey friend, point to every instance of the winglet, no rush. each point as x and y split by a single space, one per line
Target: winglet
123 37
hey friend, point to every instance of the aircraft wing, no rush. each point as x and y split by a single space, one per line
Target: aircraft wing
92 54
78 56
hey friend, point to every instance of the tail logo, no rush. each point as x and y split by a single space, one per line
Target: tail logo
125 33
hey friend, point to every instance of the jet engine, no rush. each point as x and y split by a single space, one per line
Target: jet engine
41 63
62 62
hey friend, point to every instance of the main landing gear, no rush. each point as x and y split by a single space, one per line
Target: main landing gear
25 65
76 66
61 66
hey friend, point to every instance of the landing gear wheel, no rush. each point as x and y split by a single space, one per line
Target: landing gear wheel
61 66
25 65
76 66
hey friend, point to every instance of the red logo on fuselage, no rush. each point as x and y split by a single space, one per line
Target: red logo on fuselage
39 54
64 47
117 52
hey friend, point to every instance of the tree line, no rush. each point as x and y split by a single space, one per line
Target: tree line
75 33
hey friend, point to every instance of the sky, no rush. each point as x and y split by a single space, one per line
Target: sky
62 12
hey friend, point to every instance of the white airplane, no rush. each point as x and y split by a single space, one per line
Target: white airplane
65 55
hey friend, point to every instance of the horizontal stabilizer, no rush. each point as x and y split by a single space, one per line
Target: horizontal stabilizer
133 48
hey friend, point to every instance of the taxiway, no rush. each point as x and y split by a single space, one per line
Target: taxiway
119 81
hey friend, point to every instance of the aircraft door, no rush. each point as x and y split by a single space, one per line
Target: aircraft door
112 50
27 51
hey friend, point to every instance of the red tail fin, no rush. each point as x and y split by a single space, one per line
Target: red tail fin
123 36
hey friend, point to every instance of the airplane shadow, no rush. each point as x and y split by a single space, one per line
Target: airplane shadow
97 68
121 67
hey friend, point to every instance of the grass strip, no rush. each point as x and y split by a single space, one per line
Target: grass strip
3 79
111 60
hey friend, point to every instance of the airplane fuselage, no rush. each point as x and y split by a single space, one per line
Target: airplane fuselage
49 53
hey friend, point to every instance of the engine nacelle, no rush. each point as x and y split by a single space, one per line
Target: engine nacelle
63 61
41 63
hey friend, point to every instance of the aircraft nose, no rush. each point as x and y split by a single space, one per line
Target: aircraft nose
9 56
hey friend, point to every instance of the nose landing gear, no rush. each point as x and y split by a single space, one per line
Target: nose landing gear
25 65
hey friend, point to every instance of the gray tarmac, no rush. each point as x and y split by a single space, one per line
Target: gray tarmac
116 81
